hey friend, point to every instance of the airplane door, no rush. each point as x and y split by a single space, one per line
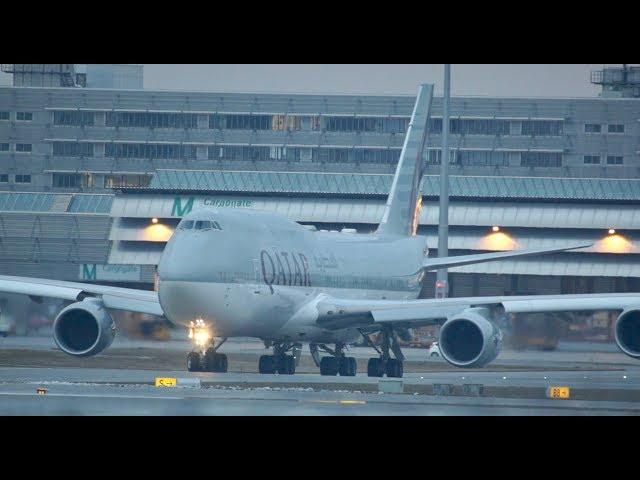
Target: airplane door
259 286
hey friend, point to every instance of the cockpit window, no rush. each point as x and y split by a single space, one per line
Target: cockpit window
203 225
199 225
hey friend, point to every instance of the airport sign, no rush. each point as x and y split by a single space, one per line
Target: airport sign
166 382
113 273
558 392
184 205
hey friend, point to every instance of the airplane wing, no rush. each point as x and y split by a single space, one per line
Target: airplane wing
117 298
334 313
460 260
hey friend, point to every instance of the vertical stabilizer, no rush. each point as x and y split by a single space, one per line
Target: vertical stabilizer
403 204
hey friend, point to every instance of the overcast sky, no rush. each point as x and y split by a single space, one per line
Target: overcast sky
554 80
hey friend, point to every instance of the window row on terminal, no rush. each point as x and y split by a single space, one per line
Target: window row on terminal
321 154
289 122
327 123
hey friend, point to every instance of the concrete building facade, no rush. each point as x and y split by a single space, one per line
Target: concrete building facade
95 140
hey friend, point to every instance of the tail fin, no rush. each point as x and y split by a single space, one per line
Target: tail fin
403 204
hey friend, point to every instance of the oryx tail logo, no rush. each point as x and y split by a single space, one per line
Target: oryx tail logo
181 209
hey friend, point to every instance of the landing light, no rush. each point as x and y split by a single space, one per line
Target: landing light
495 228
612 231
199 333
154 220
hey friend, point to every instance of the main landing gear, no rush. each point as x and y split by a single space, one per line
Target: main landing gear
280 362
393 367
206 358
336 363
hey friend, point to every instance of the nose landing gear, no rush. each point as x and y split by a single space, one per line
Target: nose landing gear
206 357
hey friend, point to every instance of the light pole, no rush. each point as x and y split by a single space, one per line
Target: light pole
442 284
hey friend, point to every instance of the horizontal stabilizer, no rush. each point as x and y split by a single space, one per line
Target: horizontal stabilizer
460 260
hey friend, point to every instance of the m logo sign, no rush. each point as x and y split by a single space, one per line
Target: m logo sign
115 273
88 271
180 208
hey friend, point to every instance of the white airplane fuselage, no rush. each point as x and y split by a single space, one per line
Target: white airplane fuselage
257 274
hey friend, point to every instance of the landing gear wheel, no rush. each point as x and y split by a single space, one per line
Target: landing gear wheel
194 362
348 367
214 362
210 360
223 363
329 366
287 365
375 367
267 364
395 368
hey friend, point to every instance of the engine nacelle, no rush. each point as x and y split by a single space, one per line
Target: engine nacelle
84 328
628 332
470 339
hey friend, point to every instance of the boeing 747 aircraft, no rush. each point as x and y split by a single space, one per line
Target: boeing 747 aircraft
244 273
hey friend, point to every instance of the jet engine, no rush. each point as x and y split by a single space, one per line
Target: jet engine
84 328
470 339
627 332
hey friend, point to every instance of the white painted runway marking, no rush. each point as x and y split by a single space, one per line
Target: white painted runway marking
90 395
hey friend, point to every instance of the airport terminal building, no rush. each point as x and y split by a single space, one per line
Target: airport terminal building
96 140
83 171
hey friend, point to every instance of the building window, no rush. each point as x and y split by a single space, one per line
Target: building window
287 154
366 124
67 180
254 154
151 120
150 150
23 147
592 159
241 122
470 158
72 118
4 147
72 149
479 127
434 157
23 178
4 115
295 123
357 155
615 160
434 126
542 128
117 181
616 128
592 128
4 177
541 159
336 155
24 116
481 158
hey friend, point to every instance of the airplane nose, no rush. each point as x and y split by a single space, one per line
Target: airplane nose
180 260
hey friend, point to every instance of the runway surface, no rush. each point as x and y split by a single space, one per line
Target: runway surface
120 382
